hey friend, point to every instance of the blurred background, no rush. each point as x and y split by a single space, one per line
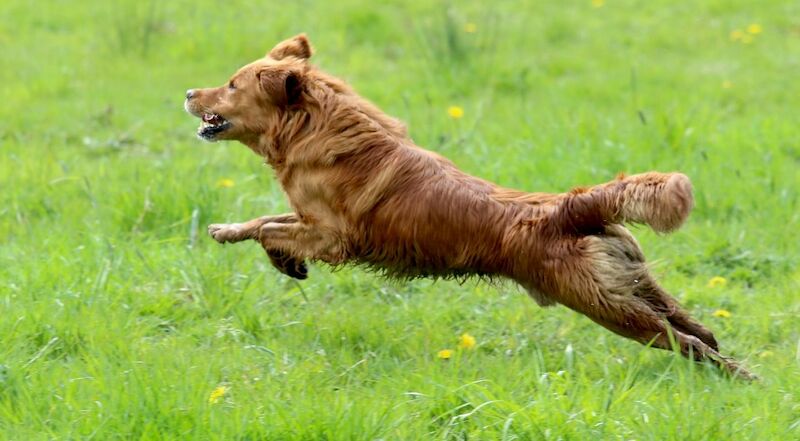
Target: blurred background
122 319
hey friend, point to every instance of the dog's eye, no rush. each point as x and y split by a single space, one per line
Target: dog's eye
231 85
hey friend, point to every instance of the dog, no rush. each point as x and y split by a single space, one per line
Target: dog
363 193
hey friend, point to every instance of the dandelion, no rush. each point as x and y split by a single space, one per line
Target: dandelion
745 37
225 183
717 280
216 394
445 354
598 3
466 341
754 29
455 112
727 84
722 313
470 28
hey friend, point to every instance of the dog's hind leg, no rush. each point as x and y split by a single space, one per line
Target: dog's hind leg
609 283
680 320
622 269
643 325
632 317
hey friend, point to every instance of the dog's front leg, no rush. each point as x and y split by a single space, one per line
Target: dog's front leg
281 260
237 232
303 241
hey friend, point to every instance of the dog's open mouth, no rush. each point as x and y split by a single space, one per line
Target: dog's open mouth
213 124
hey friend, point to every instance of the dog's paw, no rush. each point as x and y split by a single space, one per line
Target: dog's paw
298 270
223 233
288 264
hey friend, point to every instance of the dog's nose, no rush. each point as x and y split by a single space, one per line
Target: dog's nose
189 94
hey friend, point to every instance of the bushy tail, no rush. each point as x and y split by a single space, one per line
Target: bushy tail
661 200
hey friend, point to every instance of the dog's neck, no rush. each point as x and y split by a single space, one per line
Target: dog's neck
342 89
336 122
275 140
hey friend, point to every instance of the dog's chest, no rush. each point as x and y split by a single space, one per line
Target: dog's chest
313 195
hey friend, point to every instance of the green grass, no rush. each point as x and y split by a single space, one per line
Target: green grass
118 316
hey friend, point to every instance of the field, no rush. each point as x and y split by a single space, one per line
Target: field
120 319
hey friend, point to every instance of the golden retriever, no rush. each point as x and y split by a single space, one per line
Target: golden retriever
363 192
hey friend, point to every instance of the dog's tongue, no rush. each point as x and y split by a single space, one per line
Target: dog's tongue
208 117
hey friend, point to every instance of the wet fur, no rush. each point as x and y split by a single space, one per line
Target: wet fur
362 192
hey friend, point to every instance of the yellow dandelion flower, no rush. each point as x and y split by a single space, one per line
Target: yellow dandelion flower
217 394
736 35
754 29
445 354
466 341
717 280
598 3
765 354
727 84
722 313
455 112
470 28
225 183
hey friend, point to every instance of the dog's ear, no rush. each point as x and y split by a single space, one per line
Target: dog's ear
297 46
283 87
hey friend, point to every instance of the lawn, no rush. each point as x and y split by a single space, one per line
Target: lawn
120 319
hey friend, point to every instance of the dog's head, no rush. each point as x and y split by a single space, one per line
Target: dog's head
254 96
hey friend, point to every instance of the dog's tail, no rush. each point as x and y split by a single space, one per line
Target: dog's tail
661 200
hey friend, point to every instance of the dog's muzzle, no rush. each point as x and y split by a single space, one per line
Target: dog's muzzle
213 123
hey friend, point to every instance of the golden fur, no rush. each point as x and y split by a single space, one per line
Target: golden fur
363 193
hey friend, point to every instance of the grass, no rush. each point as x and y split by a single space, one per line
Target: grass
120 317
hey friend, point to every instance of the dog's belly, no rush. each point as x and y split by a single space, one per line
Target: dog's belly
435 243
539 297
